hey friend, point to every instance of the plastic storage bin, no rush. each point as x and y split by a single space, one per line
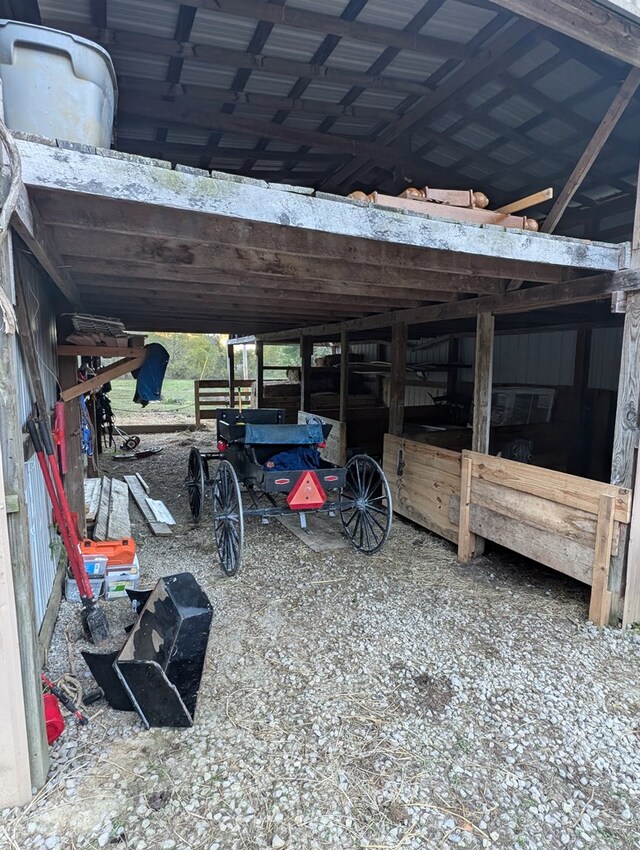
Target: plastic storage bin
72 593
56 84
95 565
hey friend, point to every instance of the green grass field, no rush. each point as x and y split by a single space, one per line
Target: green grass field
177 398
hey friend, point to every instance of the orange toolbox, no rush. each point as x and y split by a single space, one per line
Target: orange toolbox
118 552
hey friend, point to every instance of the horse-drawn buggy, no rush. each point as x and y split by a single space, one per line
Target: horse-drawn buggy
267 468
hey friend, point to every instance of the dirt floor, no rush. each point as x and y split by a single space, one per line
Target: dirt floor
398 701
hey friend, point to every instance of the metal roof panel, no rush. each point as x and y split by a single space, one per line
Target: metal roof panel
395 15
414 66
202 74
291 43
152 17
228 31
354 55
456 21
70 10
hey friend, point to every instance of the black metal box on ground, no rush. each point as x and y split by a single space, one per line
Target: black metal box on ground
159 668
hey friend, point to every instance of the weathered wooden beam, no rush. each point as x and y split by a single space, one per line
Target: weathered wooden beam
109 373
188 154
586 21
627 431
219 263
194 114
39 239
598 140
210 95
73 172
217 298
483 382
99 214
82 350
553 295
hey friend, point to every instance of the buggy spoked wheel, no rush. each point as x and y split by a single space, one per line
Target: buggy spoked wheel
228 522
367 519
196 481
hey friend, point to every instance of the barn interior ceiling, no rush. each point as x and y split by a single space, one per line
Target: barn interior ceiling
363 94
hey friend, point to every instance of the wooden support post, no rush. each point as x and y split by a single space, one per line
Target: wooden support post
196 401
27 661
74 478
466 539
482 382
631 611
259 373
306 351
626 433
600 604
231 365
344 375
15 776
398 378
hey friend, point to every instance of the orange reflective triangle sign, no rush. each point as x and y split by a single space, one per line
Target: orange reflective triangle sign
307 493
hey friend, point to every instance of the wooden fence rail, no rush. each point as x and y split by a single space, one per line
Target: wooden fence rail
212 394
568 523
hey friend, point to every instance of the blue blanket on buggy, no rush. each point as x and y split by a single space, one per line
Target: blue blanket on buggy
302 457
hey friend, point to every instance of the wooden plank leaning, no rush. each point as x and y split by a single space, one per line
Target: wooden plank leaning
600 605
466 539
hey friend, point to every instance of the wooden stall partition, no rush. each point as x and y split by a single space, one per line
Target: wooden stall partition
424 482
211 394
568 523
336 448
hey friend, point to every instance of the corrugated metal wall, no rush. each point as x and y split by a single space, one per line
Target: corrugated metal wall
604 366
540 358
44 542
543 358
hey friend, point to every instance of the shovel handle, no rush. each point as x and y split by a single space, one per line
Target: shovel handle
61 513
46 438
35 436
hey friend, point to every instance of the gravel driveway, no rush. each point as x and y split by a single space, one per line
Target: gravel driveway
397 701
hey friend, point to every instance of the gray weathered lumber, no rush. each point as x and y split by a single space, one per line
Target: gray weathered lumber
591 288
627 430
73 172
119 523
585 20
92 491
101 527
160 511
160 529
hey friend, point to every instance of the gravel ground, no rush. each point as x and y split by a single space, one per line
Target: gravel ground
397 701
